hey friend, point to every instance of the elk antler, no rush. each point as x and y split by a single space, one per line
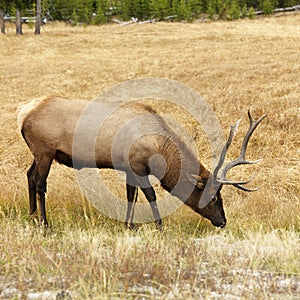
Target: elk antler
241 159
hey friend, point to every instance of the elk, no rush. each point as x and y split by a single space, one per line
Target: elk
48 126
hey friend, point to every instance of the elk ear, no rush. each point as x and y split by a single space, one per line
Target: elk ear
196 180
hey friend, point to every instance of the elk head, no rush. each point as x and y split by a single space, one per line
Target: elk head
208 189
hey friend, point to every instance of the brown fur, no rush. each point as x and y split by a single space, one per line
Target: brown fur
48 127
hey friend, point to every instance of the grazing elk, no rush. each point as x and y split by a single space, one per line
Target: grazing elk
49 125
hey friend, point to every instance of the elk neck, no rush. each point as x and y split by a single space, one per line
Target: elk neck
181 162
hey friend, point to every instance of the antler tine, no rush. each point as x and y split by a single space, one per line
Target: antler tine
252 127
239 184
241 159
245 189
236 182
233 129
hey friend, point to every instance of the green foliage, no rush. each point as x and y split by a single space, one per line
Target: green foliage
251 13
234 11
100 17
221 8
196 7
102 11
6 5
74 18
184 11
30 23
13 11
100 14
244 11
211 9
159 8
267 7
124 10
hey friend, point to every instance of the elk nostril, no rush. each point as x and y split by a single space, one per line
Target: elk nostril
223 224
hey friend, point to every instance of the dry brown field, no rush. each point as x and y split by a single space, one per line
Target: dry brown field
85 255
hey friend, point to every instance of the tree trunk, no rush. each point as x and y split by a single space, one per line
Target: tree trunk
38 17
2 21
18 22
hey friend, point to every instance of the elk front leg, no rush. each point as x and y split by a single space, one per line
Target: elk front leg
151 197
132 193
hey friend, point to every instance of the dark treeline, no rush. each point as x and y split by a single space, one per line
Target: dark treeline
103 11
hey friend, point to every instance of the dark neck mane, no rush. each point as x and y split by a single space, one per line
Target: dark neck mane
180 161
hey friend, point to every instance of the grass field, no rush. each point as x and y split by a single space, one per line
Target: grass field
85 255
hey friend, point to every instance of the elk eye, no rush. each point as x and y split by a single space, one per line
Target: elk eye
213 199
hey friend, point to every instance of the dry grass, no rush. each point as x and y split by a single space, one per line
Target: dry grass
234 66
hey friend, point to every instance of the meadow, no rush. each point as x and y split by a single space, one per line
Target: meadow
234 66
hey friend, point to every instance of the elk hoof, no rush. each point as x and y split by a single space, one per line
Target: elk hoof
130 226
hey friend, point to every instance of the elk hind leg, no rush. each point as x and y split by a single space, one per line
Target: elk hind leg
43 168
31 174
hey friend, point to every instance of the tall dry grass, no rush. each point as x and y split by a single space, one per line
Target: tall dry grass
234 66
